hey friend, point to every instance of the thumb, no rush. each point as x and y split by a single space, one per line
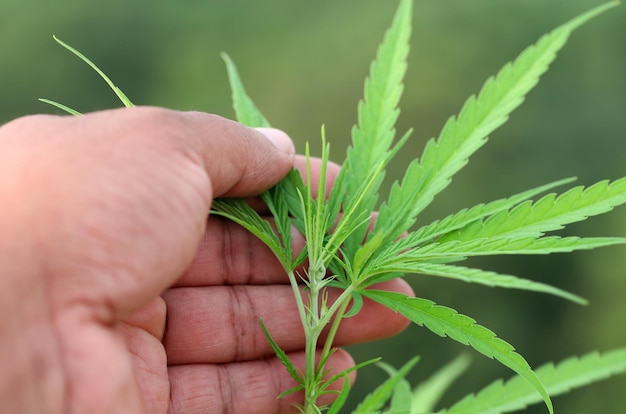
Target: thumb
128 192
240 161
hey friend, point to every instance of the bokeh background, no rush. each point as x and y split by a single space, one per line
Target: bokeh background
304 63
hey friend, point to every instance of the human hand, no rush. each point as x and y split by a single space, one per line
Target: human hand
118 294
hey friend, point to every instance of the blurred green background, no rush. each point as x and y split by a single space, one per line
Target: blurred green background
304 63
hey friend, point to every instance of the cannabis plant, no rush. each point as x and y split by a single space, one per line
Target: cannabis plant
345 250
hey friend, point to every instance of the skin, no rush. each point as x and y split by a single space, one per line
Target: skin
119 296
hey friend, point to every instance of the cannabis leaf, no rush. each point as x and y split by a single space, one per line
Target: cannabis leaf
376 400
486 278
241 213
246 111
345 250
466 216
284 358
516 394
471 232
479 117
447 322
465 134
501 245
550 213
377 113
427 394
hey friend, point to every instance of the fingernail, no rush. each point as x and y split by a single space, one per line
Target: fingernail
279 139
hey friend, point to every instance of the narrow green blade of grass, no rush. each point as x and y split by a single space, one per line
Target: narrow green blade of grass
377 399
377 113
515 394
122 97
60 106
427 394
547 214
245 110
462 136
448 322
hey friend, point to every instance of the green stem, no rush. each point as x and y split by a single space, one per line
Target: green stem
313 329
293 281
310 385
344 298
335 325
316 324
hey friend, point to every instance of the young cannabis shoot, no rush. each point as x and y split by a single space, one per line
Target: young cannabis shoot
344 250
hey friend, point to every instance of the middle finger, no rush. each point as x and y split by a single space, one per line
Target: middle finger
222 323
